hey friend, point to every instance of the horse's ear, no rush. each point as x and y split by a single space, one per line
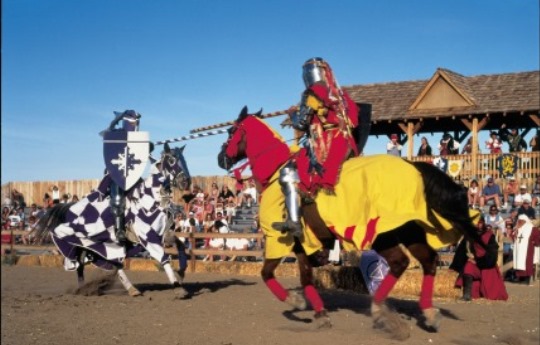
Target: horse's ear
243 112
166 148
259 113
181 149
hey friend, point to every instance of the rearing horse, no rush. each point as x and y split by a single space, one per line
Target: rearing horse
380 201
84 232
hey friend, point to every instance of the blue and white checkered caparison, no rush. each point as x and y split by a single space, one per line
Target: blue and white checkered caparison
90 222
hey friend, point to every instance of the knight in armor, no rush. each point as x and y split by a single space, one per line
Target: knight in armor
127 121
325 118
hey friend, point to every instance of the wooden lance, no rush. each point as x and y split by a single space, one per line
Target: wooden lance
230 123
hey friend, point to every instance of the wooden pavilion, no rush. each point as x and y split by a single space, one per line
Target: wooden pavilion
449 102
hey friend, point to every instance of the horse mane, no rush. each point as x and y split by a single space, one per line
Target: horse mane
50 220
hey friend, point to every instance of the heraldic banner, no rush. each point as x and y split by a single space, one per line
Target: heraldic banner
508 164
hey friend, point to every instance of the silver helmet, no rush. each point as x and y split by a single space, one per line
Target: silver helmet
313 71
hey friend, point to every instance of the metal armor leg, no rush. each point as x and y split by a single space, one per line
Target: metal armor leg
288 178
118 206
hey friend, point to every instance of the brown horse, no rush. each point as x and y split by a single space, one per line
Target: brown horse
382 201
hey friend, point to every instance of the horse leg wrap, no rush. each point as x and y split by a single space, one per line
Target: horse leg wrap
127 284
426 293
314 298
384 289
170 273
276 289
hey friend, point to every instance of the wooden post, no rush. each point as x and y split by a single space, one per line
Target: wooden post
191 255
11 251
410 144
474 151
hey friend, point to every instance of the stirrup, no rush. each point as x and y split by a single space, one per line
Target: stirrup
121 237
294 228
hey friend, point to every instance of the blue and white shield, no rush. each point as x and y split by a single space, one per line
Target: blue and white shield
126 155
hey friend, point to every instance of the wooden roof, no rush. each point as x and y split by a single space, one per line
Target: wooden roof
494 93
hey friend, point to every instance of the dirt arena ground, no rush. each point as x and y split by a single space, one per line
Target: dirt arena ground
38 308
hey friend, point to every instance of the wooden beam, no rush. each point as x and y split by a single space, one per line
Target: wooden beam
467 124
482 123
535 119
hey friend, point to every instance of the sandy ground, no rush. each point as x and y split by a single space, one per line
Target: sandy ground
38 307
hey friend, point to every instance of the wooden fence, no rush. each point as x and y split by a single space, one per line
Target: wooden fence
33 192
444 257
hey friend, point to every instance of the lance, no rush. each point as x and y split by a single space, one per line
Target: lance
230 123
191 136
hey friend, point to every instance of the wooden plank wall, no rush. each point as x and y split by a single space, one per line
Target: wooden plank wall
34 191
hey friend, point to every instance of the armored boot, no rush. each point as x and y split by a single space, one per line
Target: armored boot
467 288
288 178
117 206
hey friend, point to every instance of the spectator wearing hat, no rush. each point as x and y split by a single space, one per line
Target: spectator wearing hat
448 145
493 144
510 192
394 147
527 209
522 196
491 193
191 223
515 141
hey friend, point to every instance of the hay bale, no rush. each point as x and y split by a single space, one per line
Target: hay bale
51 260
350 278
28 260
136 264
410 284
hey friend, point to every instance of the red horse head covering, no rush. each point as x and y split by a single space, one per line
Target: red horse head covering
265 148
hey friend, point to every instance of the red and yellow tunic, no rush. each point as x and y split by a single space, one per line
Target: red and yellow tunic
330 137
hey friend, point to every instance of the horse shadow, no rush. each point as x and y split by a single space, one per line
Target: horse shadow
196 288
360 304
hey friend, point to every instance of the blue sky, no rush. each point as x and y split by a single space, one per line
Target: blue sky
67 65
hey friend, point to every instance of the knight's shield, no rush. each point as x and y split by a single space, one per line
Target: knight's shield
126 154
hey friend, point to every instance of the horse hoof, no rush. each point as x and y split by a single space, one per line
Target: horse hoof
322 320
433 318
388 322
180 293
133 292
296 300
181 275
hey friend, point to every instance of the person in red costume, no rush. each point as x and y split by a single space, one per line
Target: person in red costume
479 275
326 116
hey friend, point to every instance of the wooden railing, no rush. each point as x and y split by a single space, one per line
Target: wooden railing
481 166
192 252
444 257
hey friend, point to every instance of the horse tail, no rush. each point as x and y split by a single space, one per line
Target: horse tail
448 199
50 220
